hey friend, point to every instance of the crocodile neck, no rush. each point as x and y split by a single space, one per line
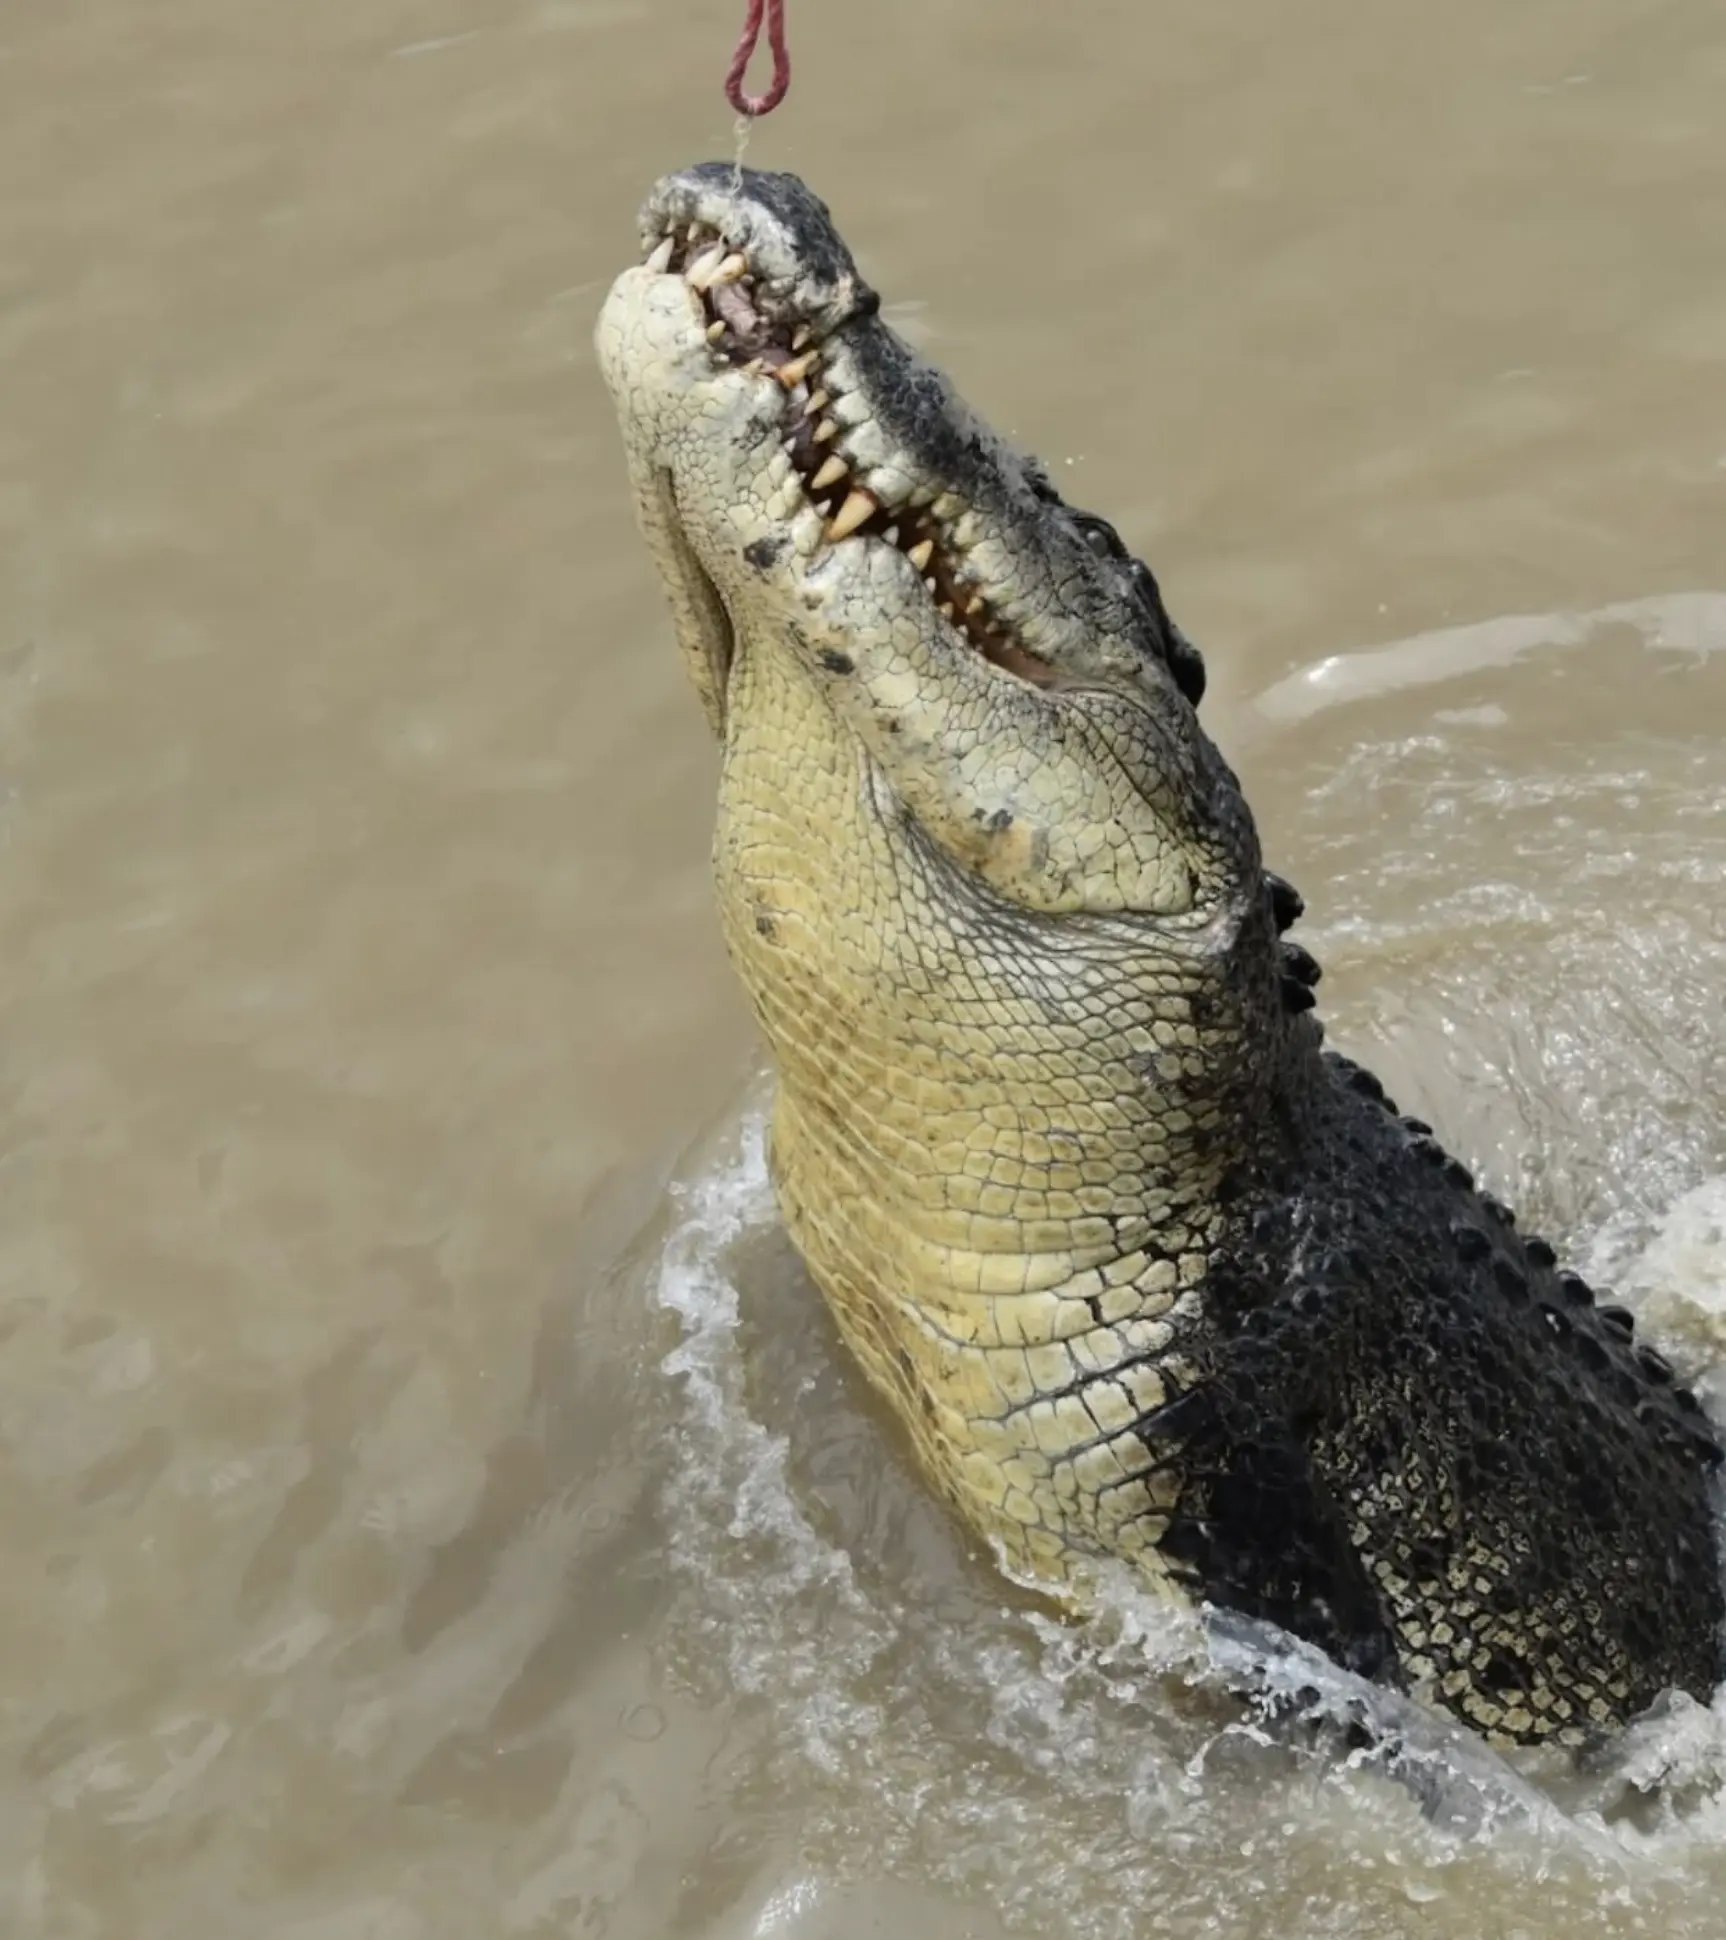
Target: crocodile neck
1035 1162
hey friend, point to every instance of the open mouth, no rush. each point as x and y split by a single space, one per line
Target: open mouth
923 525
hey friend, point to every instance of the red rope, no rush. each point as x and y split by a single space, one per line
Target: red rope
760 104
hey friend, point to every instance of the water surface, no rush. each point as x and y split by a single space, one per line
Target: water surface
419 1522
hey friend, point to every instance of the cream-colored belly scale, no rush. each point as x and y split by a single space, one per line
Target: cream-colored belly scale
973 1207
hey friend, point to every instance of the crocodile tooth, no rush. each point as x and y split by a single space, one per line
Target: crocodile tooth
922 553
930 583
857 509
700 273
804 333
945 609
889 484
732 270
716 330
948 507
976 605
660 261
826 431
793 373
817 404
891 535
829 474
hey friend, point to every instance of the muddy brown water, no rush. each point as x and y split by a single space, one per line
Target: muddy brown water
417 1521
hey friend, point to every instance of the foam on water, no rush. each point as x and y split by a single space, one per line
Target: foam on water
732 1503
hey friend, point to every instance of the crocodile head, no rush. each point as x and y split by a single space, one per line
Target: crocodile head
994 892
1011 675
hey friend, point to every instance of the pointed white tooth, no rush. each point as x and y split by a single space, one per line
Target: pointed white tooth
816 405
975 604
732 270
694 234
945 609
753 368
891 535
930 583
829 474
716 330
793 373
826 431
948 506
922 553
804 333
702 271
858 508
660 261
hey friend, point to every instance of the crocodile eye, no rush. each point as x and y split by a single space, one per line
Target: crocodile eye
1100 536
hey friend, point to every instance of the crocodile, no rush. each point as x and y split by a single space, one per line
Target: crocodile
1151 1277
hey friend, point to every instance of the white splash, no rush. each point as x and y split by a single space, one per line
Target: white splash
1686 622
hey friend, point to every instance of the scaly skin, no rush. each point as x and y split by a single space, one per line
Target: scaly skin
1146 1273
